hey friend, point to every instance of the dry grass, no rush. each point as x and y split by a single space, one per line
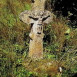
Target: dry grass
59 27
42 67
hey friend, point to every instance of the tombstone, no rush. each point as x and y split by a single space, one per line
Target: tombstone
36 18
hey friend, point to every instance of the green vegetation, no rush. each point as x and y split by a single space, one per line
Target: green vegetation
60 45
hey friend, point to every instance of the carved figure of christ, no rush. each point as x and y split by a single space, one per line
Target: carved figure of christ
36 42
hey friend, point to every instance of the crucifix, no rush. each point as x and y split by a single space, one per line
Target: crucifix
36 18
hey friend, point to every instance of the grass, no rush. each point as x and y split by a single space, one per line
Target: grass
59 45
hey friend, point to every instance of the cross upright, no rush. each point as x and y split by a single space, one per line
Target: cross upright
36 18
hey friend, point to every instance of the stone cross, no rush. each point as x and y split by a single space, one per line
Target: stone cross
36 18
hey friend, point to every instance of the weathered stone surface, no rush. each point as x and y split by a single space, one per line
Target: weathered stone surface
36 46
28 16
36 18
38 5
